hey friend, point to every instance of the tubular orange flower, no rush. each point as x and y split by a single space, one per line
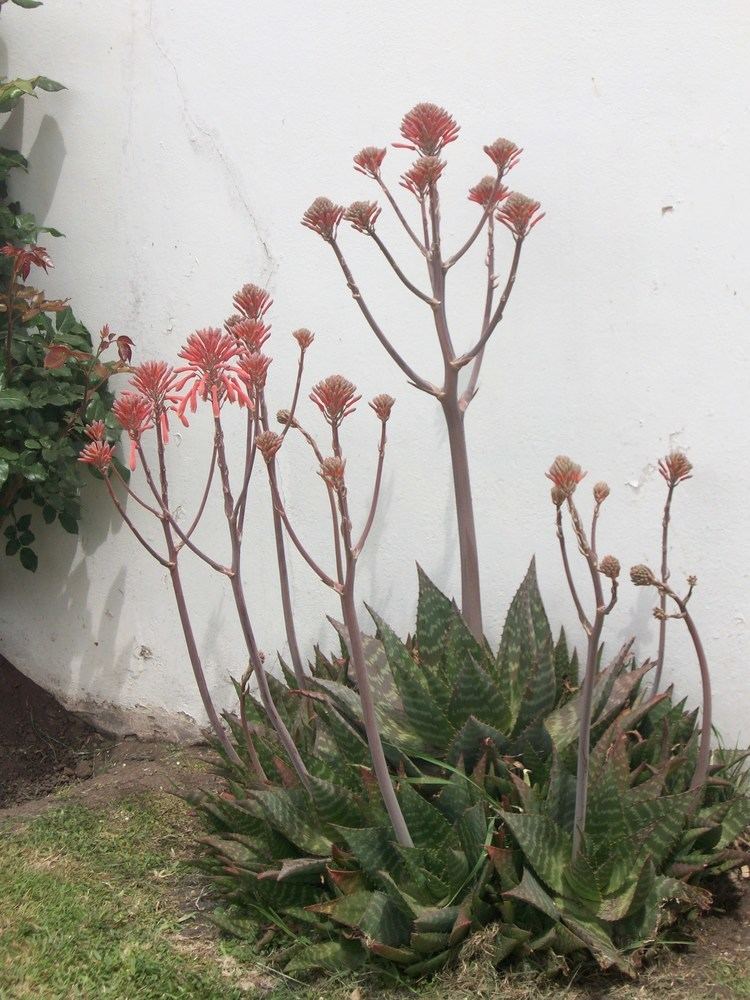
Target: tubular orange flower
24 258
363 215
156 381
369 160
422 175
96 431
565 474
212 371
251 333
134 413
675 467
252 301
255 367
488 192
520 214
99 454
335 398
382 405
427 128
332 471
504 154
323 217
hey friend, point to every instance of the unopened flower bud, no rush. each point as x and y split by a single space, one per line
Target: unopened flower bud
268 443
382 405
601 492
565 474
610 567
363 215
692 580
304 338
284 417
558 496
642 576
332 471
323 217
675 467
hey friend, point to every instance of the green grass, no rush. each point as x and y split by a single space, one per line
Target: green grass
85 908
92 905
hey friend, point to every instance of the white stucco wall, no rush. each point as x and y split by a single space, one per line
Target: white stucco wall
178 163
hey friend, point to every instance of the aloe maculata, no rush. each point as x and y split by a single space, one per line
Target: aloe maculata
482 749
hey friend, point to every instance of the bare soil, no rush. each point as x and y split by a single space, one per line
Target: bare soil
42 746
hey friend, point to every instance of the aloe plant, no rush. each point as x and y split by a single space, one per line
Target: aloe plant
482 747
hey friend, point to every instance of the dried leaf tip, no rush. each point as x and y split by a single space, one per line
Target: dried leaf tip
565 474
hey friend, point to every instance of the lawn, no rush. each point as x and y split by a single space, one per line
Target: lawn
99 900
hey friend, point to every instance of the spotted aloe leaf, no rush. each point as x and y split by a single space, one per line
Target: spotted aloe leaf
525 660
428 721
545 846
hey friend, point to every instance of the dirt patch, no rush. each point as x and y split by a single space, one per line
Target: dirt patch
42 746
127 769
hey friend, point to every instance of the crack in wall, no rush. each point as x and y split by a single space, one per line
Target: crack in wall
204 136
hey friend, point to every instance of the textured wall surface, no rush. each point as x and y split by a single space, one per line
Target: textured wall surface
178 163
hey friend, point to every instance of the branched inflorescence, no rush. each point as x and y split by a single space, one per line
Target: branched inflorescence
427 130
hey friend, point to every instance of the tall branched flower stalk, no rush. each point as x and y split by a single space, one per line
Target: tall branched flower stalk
642 576
336 397
249 327
674 468
565 476
219 369
145 409
427 130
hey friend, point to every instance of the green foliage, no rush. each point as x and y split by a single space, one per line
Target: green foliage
482 753
42 409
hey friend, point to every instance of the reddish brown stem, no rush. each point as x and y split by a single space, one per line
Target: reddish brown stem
704 749
375 493
184 615
662 595
359 664
238 592
488 213
569 575
284 585
413 377
278 503
332 502
401 217
399 273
